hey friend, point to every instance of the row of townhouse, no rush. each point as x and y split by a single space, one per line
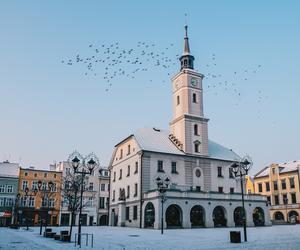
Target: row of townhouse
29 196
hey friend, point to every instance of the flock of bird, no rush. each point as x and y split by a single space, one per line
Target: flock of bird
113 61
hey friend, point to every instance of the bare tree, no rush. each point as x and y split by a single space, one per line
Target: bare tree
71 194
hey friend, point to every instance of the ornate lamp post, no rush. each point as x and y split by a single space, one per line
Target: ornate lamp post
162 186
83 166
240 169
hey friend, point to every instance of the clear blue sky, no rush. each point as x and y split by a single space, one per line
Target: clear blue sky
48 108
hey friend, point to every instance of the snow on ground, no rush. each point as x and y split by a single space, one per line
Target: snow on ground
115 238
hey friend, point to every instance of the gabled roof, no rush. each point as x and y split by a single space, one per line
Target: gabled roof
156 140
283 168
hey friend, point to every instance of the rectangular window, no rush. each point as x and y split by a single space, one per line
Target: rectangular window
198 188
45 175
174 170
101 202
283 184
220 189
128 150
127 213
136 167
294 199
128 191
178 100
273 170
44 202
114 195
196 147
276 199
121 154
91 186
260 187
292 183
275 185
54 187
231 190
160 166
135 189
120 176
2 188
1 201
114 176
128 170
284 199
52 202
194 98
34 185
90 202
9 189
220 172
231 175
103 187
24 185
267 186
269 199
135 212
44 186
31 202
9 202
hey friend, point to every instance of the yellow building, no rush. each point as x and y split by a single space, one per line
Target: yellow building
249 185
280 183
40 196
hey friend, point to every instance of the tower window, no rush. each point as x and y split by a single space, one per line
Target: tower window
196 129
185 62
194 98
196 148
178 100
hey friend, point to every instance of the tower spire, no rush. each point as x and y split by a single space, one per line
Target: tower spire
186 60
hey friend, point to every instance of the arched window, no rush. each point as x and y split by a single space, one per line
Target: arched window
194 98
196 129
178 100
196 146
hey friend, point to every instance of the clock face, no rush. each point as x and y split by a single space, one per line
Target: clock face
194 81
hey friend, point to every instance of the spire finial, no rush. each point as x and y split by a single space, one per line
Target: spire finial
187 60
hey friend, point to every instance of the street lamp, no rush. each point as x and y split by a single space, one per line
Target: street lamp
17 200
162 186
240 169
82 166
285 201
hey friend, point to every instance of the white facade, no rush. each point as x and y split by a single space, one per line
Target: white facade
202 192
90 197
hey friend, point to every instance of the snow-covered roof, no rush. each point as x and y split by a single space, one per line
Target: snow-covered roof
283 168
155 140
8 169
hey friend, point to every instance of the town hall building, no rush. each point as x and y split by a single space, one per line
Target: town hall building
202 191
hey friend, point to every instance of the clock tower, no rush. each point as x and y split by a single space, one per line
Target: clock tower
189 126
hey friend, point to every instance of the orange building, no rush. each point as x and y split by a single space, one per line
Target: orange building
40 196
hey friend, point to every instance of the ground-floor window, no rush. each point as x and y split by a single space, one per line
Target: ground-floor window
278 216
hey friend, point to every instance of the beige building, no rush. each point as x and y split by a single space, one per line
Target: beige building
280 183
103 197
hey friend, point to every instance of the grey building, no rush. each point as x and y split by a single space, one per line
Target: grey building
9 180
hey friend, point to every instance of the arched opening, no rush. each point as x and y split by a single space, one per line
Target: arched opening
197 216
239 215
195 129
293 217
258 217
103 221
174 216
149 215
278 216
219 217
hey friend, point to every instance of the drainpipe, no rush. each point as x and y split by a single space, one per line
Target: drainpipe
141 195
108 203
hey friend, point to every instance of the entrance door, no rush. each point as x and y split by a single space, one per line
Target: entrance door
219 217
149 215
197 216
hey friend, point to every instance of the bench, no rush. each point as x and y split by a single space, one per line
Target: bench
56 237
65 238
